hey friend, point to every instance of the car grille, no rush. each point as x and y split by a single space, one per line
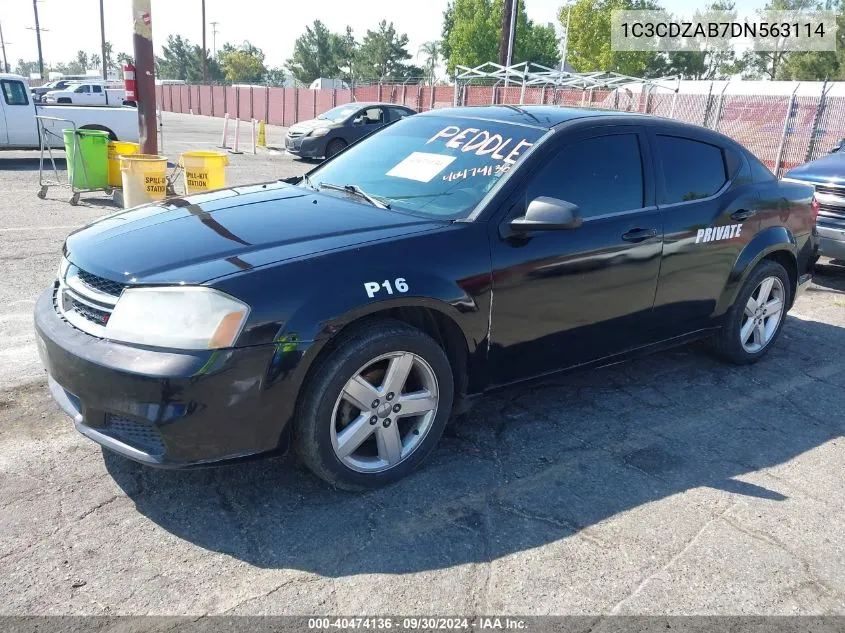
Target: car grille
86 300
107 286
831 201
142 436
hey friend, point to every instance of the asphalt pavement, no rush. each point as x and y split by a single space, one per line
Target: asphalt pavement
672 484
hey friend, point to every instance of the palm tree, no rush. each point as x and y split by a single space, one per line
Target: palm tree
431 51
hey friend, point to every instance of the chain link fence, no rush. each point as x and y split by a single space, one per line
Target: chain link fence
781 130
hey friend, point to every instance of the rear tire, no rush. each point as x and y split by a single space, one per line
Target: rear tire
754 322
334 147
350 429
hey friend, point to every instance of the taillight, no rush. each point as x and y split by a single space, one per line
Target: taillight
815 207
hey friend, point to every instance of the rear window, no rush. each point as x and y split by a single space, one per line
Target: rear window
691 169
759 172
14 92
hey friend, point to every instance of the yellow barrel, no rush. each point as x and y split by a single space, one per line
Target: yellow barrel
204 170
116 150
144 178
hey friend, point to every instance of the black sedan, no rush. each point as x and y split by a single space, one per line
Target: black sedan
353 310
334 130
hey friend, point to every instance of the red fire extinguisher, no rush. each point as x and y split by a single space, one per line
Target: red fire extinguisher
129 83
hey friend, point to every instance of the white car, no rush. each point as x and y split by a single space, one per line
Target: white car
19 129
87 93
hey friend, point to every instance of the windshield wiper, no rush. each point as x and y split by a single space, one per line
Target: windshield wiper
355 191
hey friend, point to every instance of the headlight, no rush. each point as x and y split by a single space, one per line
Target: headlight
321 131
63 266
186 317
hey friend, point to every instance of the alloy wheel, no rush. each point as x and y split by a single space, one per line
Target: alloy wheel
384 412
762 315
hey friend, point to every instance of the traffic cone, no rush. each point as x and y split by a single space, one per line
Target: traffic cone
262 137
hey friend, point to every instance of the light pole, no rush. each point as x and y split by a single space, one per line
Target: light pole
214 38
38 30
565 40
204 49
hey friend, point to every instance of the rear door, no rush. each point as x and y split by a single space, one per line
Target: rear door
709 211
566 297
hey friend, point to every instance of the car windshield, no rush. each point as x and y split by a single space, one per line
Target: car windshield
338 114
431 165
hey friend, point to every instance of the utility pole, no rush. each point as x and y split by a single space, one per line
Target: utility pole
506 43
142 26
38 37
3 46
214 38
103 42
204 49
506 29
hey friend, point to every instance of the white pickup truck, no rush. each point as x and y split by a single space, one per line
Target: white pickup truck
19 129
87 93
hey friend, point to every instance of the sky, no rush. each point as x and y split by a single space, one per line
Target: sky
272 25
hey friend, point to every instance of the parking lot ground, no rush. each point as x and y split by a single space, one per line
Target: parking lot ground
668 485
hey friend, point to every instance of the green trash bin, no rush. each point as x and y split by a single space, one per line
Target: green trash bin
93 149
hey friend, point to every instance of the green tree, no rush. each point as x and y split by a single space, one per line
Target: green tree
589 40
431 58
26 68
767 64
81 61
472 30
95 61
274 77
315 53
242 64
381 54
818 65
182 60
124 58
345 49
719 61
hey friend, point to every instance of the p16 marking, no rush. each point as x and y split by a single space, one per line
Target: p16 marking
717 233
373 287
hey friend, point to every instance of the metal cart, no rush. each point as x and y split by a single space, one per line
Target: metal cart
46 137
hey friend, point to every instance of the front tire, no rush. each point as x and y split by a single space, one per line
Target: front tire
335 147
375 406
756 318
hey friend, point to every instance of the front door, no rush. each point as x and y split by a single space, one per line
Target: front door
566 297
368 121
20 129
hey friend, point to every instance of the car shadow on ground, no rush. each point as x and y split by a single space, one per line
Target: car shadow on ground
528 466
31 163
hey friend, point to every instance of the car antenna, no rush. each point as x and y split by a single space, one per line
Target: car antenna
523 111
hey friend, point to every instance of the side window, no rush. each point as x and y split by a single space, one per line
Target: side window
98 89
372 116
759 172
14 92
601 175
398 113
691 169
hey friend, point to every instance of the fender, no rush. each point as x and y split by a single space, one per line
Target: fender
767 241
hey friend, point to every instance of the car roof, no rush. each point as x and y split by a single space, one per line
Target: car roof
536 116
368 104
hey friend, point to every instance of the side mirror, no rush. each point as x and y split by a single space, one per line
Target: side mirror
548 214
840 145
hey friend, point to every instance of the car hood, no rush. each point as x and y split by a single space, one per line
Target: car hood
198 238
312 124
826 169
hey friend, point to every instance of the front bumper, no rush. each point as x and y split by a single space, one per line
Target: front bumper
306 146
169 408
832 239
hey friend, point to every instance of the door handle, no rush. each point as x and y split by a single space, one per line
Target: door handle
638 235
743 214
